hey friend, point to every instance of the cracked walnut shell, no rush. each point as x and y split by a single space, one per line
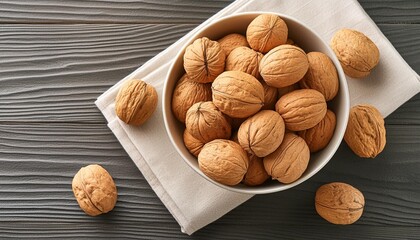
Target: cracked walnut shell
244 59
319 136
284 66
186 94
205 122
266 32
95 190
302 109
256 174
289 161
204 60
321 75
237 94
357 54
223 161
339 203
365 133
135 102
262 133
232 41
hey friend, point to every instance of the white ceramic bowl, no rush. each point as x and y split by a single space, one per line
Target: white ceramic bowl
306 39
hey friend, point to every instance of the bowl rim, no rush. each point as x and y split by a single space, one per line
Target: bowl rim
255 190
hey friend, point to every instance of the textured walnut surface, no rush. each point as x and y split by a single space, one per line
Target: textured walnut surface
244 59
339 203
232 41
256 174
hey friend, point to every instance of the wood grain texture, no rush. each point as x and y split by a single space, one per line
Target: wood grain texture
52 68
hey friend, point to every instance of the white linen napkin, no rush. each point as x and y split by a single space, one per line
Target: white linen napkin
193 201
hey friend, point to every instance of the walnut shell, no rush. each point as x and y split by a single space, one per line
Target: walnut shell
95 190
205 122
232 41
283 66
204 60
289 161
135 102
339 203
319 136
358 55
365 133
285 90
223 161
266 32
193 145
186 94
237 94
321 75
270 97
244 59
262 133
291 42
256 174
302 109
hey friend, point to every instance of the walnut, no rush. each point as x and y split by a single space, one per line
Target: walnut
244 59
358 55
204 60
319 136
262 133
95 190
237 94
193 145
186 94
321 76
232 41
266 32
302 109
205 122
270 97
339 203
223 161
365 133
285 90
256 174
291 42
135 102
283 66
289 161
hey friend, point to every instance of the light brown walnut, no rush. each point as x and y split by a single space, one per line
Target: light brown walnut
270 97
256 174
262 133
289 161
205 122
223 161
186 94
365 133
302 109
319 136
285 90
193 145
321 75
339 203
204 60
244 59
284 66
95 190
232 41
266 32
357 53
237 94
135 102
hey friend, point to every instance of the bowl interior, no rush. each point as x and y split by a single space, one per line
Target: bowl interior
307 40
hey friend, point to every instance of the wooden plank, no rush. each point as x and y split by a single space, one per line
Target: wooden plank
39 160
45 80
102 11
155 11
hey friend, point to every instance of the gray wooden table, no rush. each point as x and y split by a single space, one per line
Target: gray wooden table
57 57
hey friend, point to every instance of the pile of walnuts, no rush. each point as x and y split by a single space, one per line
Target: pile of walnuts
255 106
